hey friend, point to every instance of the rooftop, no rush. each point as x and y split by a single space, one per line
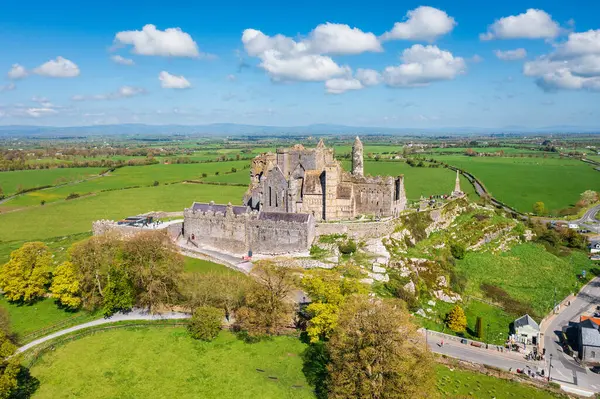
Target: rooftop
526 321
589 333
284 217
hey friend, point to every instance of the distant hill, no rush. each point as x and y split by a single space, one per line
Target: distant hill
233 129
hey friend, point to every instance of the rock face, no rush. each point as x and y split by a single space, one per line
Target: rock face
410 287
378 269
442 296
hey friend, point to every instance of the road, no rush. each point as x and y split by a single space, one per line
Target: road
564 368
135 314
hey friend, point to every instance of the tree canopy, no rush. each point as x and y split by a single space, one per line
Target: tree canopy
25 276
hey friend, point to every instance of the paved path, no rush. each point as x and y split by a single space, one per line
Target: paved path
136 314
564 368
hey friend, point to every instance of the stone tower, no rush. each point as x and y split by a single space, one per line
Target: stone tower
357 158
457 191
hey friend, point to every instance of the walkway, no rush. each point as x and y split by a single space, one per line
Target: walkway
135 314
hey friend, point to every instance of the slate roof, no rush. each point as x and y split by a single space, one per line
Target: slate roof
284 217
203 207
526 321
590 336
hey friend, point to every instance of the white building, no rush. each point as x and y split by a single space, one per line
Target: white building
527 330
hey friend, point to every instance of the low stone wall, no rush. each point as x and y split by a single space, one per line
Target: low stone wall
357 230
100 227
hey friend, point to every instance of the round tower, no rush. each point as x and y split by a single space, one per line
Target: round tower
357 158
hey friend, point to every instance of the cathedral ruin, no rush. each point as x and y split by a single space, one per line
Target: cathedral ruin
312 181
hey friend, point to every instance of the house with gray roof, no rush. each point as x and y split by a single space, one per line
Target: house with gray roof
589 342
527 330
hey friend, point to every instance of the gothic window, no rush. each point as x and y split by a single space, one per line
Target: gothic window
270 196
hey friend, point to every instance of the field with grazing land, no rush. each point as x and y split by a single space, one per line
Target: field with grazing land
75 216
520 182
10 181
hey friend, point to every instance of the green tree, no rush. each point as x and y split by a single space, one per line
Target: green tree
479 328
25 276
223 291
539 208
65 285
205 323
119 295
587 197
1 192
456 319
376 352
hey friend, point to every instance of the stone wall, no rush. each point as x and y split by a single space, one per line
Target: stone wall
218 230
358 230
100 227
279 237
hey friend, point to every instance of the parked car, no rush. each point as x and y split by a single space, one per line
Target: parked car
595 369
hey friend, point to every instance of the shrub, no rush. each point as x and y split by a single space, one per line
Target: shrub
204 175
233 170
479 328
458 282
43 202
456 319
458 250
156 183
347 247
72 196
205 323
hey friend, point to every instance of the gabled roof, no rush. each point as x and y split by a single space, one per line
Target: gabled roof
526 321
590 335
284 217
595 320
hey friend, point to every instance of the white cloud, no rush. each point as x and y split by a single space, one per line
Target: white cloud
341 85
168 81
172 42
368 77
40 112
9 87
43 101
422 23
511 55
574 65
423 65
58 68
121 92
122 60
17 72
533 24
284 58
476 59
341 39
231 77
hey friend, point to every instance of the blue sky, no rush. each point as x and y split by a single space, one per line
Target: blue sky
396 64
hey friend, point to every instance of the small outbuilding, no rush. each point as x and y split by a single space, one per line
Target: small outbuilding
527 331
595 247
589 341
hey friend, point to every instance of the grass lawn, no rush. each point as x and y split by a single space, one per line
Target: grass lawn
520 182
527 272
194 265
76 216
164 362
29 322
418 181
130 176
9 181
167 363
461 384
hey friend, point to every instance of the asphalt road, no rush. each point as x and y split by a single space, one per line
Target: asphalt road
564 368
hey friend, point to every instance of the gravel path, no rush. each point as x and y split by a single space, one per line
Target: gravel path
136 314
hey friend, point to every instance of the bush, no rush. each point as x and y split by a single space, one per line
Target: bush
458 282
347 247
233 170
205 323
204 175
479 327
43 202
72 196
458 251
156 183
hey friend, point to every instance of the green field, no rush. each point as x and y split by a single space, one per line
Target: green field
167 363
164 362
130 176
193 265
520 182
75 216
527 272
9 181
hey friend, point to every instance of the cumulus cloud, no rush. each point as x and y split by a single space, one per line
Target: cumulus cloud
533 24
341 85
168 81
423 65
476 59
368 77
574 65
121 60
9 87
58 68
172 42
422 23
121 92
511 55
17 72
284 58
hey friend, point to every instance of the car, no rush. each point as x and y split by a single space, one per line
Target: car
595 369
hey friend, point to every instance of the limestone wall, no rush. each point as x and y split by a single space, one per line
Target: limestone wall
217 230
278 237
357 230
101 227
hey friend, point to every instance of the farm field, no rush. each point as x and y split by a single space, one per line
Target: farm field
9 181
76 216
129 176
166 362
520 182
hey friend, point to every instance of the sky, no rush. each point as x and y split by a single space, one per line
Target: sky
398 64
